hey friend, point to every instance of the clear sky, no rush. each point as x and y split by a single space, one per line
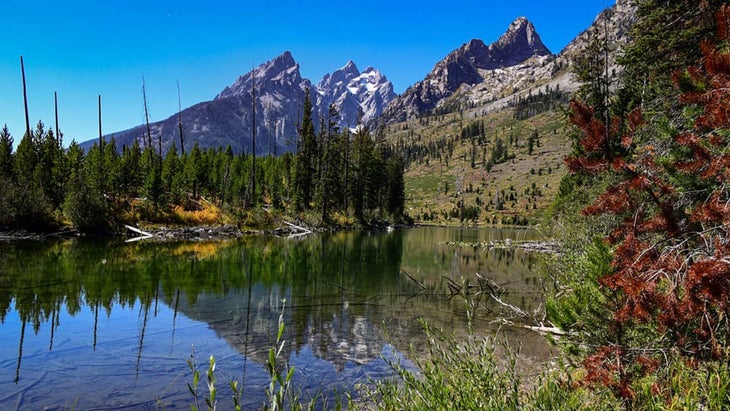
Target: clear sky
81 49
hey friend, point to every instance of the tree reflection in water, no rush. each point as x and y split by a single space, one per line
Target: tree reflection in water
143 305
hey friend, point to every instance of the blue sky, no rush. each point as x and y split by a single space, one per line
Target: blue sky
81 49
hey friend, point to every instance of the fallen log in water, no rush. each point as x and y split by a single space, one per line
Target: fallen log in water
302 230
143 235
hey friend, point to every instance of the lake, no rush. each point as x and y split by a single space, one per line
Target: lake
90 325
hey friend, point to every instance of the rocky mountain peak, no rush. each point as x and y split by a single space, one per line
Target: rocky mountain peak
350 66
338 78
519 43
466 66
282 71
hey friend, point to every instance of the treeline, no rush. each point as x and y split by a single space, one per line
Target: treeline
43 185
534 104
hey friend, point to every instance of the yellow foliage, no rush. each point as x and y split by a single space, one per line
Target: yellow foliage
199 250
209 214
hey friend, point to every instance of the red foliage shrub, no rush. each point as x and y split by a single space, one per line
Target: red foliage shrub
671 264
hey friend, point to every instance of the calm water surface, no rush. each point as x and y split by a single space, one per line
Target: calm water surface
85 325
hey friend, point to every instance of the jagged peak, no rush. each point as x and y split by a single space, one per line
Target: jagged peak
283 62
473 44
522 34
281 67
519 22
286 59
350 66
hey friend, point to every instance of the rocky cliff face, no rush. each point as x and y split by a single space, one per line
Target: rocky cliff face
502 86
493 77
279 91
464 67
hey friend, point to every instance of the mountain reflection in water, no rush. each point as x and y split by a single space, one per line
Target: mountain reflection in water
88 325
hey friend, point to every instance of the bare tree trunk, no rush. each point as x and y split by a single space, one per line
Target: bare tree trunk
102 177
347 165
252 185
59 139
25 98
101 142
146 115
179 120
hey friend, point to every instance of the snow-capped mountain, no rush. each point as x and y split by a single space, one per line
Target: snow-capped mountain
358 96
279 91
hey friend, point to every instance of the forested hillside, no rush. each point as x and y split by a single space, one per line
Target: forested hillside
468 168
335 177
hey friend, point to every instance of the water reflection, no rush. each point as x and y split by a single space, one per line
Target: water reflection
112 324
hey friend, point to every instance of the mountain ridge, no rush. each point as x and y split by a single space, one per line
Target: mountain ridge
279 96
471 75
462 67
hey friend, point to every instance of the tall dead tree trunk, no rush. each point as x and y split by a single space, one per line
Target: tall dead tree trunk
102 177
25 98
59 139
252 184
146 117
101 141
179 120
347 167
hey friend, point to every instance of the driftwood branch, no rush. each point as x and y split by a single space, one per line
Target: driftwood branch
541 329
302 230
420 284
143 235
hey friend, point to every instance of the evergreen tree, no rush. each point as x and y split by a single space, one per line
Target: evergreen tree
26 157
171 173
194 170
130 170
396 187
6 176
363 156
329 174
30 206
6 153
112 169
306 160
152 184
665 39
84 203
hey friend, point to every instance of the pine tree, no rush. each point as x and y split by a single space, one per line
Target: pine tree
84 203
6 153
664 37
7 185
363 160
396 187
31 207
171 172
306 160
131 170
329 179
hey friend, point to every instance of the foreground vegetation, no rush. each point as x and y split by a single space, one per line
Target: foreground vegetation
642 292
